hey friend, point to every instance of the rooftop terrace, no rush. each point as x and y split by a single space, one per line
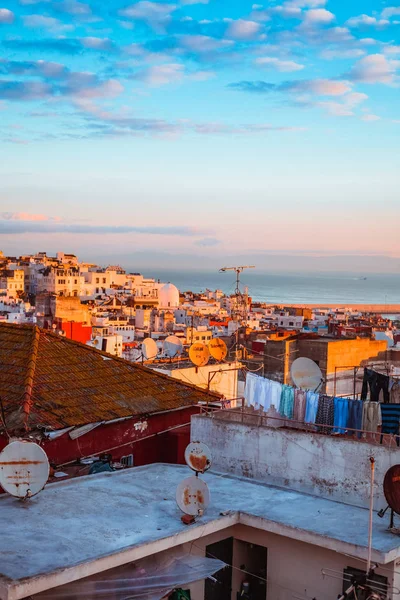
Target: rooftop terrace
83 526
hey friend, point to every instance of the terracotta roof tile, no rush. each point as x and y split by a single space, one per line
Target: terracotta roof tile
67 383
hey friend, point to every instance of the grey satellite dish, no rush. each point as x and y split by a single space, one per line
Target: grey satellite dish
149 349
24 469
306 374
173 346
198 457
192 496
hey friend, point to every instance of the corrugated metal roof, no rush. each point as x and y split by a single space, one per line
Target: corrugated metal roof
66 383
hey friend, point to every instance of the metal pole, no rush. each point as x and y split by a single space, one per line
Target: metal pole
371 509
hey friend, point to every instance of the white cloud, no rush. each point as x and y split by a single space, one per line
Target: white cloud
370 118
41 21
243 30
6 16
328 87
318 16
154 13
346 107
365 21
391 49
285 66
375 68
184 2
338 53
96 43
391 11
162 74
203 43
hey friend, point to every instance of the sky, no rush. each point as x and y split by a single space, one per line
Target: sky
197 130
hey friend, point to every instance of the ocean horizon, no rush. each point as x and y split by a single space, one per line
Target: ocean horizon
329 288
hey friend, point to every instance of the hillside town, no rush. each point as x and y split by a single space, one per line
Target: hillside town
113 377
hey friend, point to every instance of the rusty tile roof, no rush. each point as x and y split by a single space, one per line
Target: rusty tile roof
63 383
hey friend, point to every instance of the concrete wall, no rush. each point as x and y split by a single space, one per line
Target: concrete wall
294 569
223 377
329 467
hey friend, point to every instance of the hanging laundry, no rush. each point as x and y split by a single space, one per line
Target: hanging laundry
287 401
341 414
390 418
394 391
299 408
372 416
311 407
275 392
355 416
376 382
250 390
325 413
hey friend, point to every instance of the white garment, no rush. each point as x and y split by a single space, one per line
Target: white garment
250 390
275 391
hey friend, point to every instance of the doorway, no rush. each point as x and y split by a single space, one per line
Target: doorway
221 588
250 574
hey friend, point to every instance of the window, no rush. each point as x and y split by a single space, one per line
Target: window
75 281
104 280
381 582
291 323
97 280
127 460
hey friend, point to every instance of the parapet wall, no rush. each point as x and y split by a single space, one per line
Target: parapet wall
329 467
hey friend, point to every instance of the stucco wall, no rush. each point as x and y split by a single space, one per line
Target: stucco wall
329 467
294 569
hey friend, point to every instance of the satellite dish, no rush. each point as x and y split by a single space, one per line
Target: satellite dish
149 349
173 346
306 374
198 457
199 354
192 496
24 469
391 488
218 349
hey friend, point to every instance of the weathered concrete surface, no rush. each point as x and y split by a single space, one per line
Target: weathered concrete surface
326 466
86 525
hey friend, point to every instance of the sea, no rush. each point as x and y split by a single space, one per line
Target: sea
292 288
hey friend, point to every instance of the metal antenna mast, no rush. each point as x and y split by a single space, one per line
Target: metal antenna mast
241 301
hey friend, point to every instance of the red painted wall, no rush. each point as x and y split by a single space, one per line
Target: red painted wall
159 448
75 331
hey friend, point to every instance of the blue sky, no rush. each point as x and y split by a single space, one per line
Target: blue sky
200 128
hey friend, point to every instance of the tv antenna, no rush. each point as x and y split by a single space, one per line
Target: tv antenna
241 300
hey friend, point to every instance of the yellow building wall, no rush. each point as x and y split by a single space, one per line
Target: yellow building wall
349 353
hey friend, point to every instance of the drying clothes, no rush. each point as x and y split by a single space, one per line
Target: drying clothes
274 394
287 402
299 408
325 413
341 414
372 416
250 389
394 387
311 407
376 382
390 418
355 416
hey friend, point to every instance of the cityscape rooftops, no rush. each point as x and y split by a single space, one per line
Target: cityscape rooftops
63 538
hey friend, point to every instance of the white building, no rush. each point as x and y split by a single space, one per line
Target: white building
168 296
110 343
12 281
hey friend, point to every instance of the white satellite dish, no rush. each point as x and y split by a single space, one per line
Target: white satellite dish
173 346
198 457
24 469
149 349
306 374
192 496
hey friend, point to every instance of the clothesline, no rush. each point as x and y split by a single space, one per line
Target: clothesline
337 415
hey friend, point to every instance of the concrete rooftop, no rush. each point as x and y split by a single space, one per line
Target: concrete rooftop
79 527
